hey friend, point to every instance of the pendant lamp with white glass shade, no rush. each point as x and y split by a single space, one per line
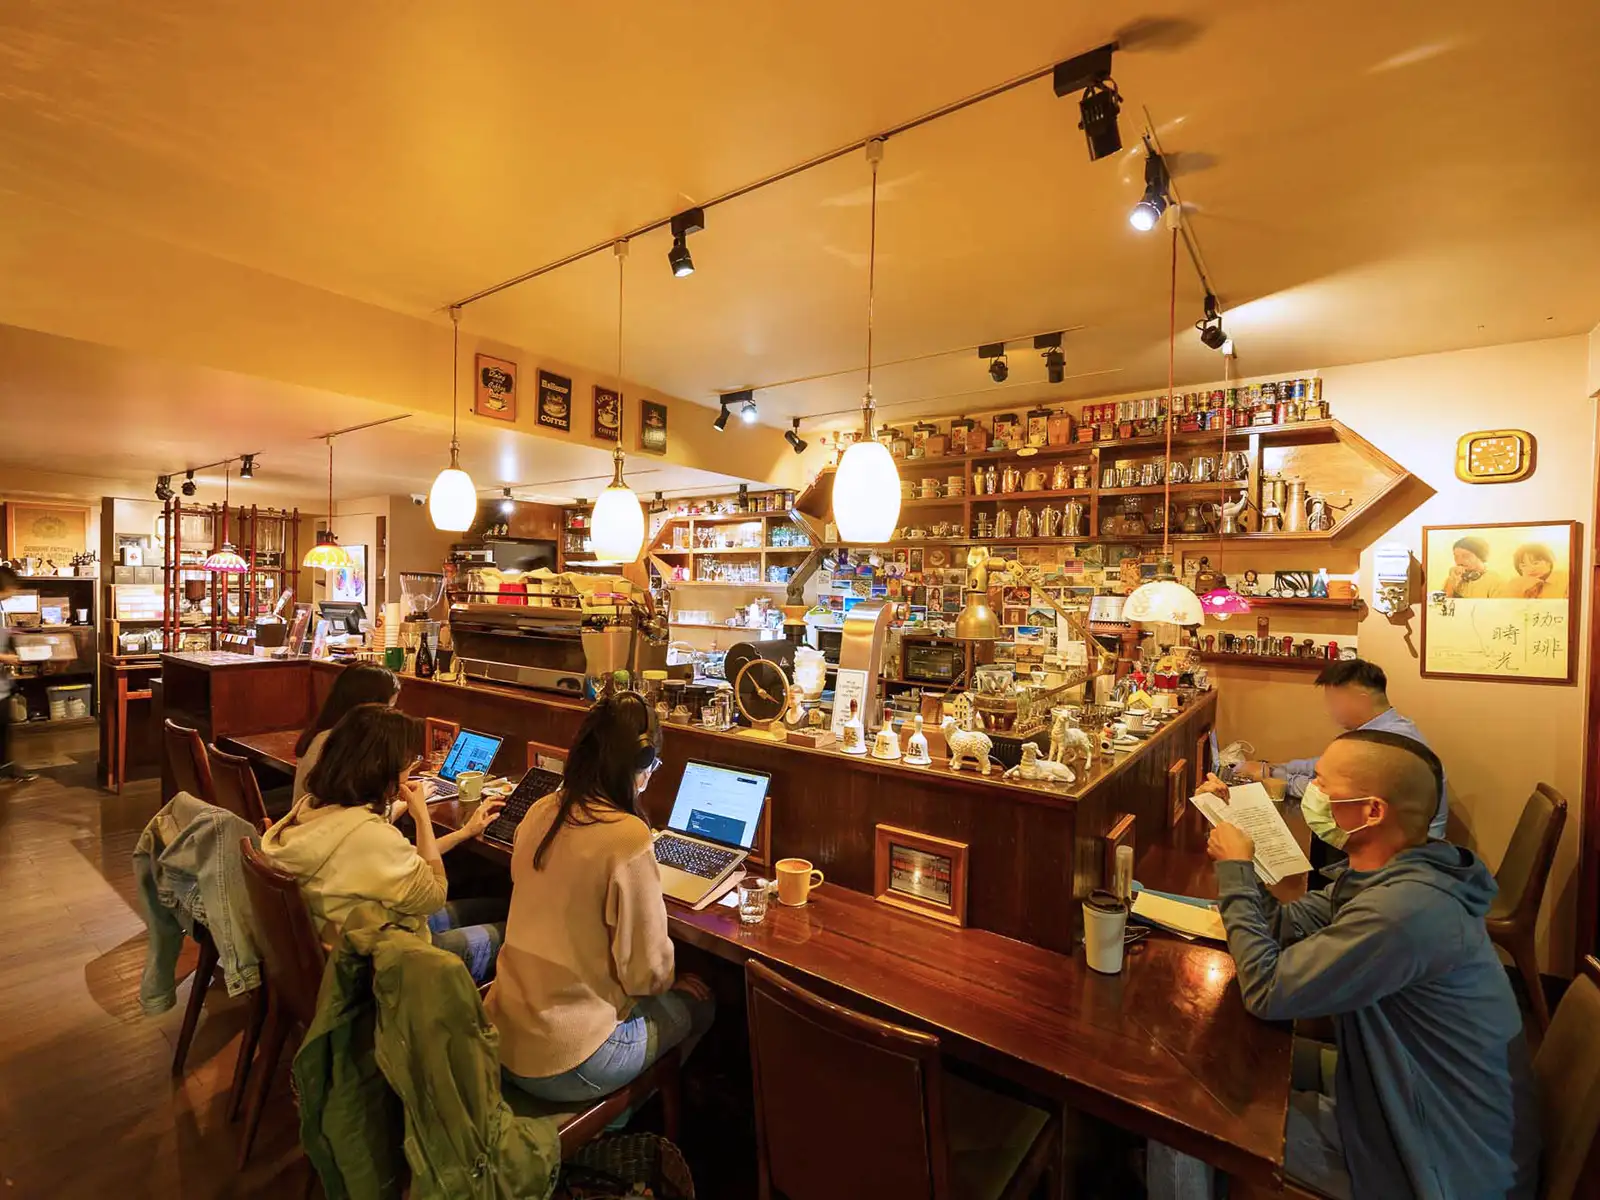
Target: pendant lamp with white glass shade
616 529
453 500
1165 600
327 554
227 560
866 485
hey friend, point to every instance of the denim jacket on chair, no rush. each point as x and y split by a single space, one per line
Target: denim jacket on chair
188 869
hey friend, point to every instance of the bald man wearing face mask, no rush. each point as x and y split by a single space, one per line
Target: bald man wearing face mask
1430 1092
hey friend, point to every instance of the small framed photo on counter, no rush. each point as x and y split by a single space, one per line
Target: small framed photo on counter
437 738
921 874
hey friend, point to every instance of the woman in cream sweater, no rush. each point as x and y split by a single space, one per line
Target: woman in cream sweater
584 997
338 842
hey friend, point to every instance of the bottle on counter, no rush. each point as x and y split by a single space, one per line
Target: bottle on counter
425 662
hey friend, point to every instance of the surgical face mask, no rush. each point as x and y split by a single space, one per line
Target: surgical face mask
1317 809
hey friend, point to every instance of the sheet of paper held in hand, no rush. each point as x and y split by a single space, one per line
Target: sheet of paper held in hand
1250 808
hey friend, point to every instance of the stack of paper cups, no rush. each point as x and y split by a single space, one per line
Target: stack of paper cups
391 624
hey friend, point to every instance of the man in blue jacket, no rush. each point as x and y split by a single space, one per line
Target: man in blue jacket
1432 1093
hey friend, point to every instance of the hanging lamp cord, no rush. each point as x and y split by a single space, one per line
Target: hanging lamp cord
1172 341
874 156
1222 486
455 389
330 486
622 262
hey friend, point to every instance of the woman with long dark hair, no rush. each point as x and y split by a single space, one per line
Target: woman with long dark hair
585 997
364 683
338 842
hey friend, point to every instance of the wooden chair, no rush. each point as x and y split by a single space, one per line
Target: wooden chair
1522 877
292 958
186 755
837 1090
580 1126
538 750
236 786
1567 1072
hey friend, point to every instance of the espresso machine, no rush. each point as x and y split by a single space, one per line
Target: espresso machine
557 644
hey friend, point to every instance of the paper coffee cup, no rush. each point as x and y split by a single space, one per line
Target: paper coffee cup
1104 920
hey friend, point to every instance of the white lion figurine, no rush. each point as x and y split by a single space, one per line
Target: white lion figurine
1068 744
1034 767
966 743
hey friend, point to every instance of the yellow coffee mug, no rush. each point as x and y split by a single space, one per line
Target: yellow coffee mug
796 878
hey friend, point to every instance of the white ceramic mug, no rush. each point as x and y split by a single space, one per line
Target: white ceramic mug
469 787
1105 918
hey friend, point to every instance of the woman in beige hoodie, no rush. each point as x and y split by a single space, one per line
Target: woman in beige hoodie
337 839
584 997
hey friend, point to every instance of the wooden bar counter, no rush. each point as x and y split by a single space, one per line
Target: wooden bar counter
1034 850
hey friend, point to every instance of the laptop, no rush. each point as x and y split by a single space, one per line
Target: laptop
711 830
471 751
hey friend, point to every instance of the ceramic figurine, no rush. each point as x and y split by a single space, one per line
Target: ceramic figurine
1069 744
1032 767
966 744
1319 585
917 745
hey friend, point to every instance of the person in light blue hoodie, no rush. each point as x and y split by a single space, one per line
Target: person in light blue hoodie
1432 1090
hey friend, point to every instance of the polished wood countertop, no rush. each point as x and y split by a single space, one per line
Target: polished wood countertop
222 660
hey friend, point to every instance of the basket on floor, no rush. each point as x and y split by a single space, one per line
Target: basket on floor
627 1164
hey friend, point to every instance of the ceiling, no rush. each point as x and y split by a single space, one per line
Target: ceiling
1367 182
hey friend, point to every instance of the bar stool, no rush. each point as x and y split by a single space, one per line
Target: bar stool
578 1126
836 1088
1522 876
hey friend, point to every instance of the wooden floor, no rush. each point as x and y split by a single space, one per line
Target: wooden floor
88 1105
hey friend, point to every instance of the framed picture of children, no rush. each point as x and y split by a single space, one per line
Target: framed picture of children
1501 601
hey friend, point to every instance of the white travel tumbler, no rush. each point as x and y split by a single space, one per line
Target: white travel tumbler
1105 917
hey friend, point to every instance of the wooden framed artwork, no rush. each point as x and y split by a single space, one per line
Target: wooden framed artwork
652 427
921 874
495 388
607 414
49 532
545 757
555 401
437 737
1502 601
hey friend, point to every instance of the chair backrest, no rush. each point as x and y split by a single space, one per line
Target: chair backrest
1526 867
834 1086
550 754
290 948
186 755
236 786
1567 1069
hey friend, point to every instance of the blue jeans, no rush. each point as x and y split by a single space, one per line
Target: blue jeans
656 1025
472 930
1312 1151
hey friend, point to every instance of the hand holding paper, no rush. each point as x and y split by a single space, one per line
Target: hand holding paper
1249 808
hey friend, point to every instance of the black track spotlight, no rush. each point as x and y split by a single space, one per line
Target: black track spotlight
744 401
247 467
164 490
1210 327
507 504
747 410
1100 102
1055 365
721 422
1153 203
794 439
188 483
689 221
999 369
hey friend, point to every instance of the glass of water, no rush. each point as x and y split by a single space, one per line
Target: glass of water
754 895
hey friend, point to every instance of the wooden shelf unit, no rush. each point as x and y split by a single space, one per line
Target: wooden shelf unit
1281 661
250 592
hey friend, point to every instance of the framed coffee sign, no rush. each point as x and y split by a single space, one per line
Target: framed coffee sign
652 427
607 414
495 388
920 873
48 532
555 401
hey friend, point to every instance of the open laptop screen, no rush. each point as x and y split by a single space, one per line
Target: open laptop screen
469 752
720 804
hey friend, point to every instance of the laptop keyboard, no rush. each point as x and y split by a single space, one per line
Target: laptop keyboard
695 858
534 786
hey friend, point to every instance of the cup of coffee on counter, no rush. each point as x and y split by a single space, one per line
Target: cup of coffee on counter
1134 719
1105 920
796 878
469 787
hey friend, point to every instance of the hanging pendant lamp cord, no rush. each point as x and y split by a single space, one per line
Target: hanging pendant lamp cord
330 485
622 260
1172 342
1222 486
873 156
455 387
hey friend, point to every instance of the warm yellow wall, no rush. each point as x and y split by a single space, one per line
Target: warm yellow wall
1496 739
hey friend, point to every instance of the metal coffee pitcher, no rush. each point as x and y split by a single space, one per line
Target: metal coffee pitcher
1231 514
1294 506
1034 480
1010 479
1235 465
1049 521
1075 519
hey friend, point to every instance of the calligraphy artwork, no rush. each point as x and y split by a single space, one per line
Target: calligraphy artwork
1502 601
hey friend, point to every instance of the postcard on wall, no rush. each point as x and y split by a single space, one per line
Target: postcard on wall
495 388
1502 601
555 401
652 427
607 414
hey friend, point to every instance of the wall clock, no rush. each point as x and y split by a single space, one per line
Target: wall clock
1494 456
